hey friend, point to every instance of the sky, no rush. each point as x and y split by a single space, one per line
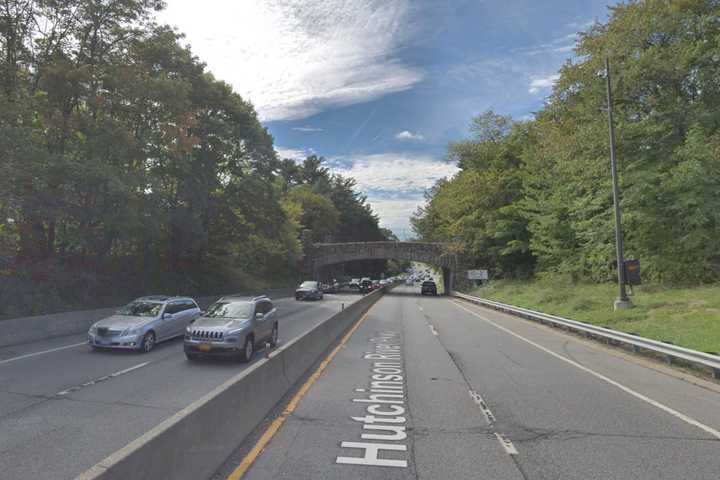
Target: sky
380 88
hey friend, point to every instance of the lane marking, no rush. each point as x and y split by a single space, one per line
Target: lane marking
42 353
489 416
685 418
432 329
274 427
101 379
130 369
506 444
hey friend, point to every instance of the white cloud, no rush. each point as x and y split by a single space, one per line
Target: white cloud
395 213
394 182
395 173
408 135
539 84
308 129
295 58
296 154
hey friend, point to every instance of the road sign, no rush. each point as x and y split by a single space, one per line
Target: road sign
477 274
632 272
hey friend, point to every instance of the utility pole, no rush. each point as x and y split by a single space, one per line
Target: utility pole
622 302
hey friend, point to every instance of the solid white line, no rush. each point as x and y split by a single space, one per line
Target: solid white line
128 370
42 353
655 403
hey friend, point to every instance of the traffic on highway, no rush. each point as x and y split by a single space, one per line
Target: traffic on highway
360 239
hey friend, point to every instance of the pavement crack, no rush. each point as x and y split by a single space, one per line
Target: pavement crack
530 435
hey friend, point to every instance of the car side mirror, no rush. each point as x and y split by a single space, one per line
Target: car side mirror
167 315
259 316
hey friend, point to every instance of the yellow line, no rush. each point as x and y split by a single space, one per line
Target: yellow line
238 473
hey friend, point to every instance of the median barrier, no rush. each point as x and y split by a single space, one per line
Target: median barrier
16 331
196 440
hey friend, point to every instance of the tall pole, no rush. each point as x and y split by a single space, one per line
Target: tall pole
622 302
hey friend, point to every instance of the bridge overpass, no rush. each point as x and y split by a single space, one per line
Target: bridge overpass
446 256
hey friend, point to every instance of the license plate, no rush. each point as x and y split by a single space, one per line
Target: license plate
204 347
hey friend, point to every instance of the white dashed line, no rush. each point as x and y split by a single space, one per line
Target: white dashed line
42 353
628 390
483 406
433 330
506 444
101 379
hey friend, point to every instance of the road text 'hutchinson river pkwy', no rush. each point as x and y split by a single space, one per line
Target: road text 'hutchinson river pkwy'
384 422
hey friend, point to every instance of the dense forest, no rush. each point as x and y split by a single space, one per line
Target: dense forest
126 168
535 196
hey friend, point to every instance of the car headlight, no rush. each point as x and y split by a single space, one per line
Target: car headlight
132 331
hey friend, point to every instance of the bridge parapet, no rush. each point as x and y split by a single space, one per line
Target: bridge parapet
443 255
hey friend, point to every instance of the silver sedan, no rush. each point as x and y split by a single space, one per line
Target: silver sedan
144 322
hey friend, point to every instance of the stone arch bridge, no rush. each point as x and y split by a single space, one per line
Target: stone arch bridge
445 256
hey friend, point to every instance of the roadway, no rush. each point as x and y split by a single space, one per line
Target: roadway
64 407
474 393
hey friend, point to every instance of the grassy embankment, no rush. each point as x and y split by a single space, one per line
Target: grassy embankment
685 316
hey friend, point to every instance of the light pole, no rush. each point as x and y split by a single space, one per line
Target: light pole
622 302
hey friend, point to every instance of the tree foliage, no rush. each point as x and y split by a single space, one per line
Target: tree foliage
543 187
118 147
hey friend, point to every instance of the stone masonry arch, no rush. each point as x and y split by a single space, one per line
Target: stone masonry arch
442 255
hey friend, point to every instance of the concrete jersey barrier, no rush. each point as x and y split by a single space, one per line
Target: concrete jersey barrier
16 331
193 442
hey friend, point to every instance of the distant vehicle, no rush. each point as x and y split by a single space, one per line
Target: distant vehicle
232 326
309 290
428 288
409 282
144 322
365 285
384 282
332 287
375 285
354 283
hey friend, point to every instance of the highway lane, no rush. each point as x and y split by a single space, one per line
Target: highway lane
64 410
544 405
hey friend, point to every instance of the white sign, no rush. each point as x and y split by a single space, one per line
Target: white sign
477 274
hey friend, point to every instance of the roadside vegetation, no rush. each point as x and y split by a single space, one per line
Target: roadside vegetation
533 197
685 316
127 168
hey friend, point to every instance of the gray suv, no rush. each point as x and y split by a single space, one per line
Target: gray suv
142 323
233 326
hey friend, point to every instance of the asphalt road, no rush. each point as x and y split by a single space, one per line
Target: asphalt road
115 396
484 395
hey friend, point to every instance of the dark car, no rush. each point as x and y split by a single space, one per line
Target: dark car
428 288
309 290
365 285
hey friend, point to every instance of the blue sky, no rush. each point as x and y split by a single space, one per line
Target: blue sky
380 87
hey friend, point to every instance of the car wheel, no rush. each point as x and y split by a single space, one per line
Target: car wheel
148 342
248 350
274 337
191 356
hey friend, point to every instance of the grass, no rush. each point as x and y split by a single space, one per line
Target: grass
687 316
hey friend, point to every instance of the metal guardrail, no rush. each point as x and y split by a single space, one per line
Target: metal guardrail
669 351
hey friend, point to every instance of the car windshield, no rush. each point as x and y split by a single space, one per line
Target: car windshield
141 309
240 310
308 285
